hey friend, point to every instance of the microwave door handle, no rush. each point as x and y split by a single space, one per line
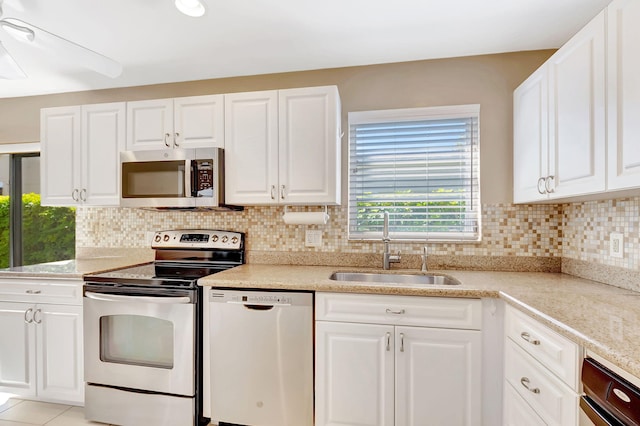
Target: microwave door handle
146 299
189 173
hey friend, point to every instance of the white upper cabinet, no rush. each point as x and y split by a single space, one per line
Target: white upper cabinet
189 122
80 149
559 122
283 147
251 153
577 139
530 147
623 90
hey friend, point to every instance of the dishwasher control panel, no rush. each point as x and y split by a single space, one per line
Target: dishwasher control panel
260 298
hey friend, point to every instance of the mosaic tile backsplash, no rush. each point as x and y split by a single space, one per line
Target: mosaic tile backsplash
508 230
578 231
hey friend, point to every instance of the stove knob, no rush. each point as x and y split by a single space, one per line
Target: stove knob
214 238
234 240
225 239
157 238
166 237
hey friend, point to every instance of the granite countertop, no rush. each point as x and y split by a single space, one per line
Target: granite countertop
601 318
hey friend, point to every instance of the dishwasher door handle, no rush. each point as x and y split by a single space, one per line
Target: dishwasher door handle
146 299
265 305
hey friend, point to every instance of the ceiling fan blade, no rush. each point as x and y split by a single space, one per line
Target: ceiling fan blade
9 68
62 48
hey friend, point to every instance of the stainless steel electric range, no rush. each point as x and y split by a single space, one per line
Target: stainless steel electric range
143 331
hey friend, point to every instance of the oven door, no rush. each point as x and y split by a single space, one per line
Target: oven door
141 342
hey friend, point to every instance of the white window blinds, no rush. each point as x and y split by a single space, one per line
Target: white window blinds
422 166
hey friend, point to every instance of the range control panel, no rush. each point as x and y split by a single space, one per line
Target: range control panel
198 238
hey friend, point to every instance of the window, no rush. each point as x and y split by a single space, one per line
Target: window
29 232
419 164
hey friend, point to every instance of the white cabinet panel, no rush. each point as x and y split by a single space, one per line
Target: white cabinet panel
81 154
438 376
623 87
60 353
251 153
17 349
188 122
516 411
577 120
150 124
530 149
355 384
283 147
60 155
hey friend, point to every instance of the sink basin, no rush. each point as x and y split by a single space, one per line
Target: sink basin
372 277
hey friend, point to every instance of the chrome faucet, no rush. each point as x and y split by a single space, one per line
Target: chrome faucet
387 257
424 259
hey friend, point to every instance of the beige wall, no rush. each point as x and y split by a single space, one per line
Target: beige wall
486 80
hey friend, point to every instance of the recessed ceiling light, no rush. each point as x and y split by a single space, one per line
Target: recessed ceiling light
193 8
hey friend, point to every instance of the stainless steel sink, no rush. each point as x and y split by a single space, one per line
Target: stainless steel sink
372 277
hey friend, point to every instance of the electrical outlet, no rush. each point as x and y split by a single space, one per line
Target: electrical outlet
313 238
616 245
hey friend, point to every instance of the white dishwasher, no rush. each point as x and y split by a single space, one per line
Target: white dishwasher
261 358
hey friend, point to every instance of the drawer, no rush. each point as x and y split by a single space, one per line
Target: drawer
556 352
41 290
554 401
440 312
516 411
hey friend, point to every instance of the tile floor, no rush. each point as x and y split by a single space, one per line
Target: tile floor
19 412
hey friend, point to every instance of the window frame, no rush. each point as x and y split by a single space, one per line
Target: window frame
416 114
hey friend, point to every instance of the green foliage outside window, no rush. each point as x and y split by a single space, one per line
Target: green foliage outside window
48 233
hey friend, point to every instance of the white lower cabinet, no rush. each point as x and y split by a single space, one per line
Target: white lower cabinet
541 373
387 373
41 353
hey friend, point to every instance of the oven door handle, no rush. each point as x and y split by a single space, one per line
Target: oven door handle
146 299
599 418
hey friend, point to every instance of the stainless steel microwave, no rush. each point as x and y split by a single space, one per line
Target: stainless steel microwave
173 178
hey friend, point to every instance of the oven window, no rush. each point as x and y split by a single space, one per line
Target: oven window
136 340
153 179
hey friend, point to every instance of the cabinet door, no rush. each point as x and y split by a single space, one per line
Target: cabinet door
530 138
309 150
60 156
150 125
103 137
251 148
577 120
199 121
60 363
623 95
17 349
354 374
516 410
438 377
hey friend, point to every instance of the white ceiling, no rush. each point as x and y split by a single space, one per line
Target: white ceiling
157 44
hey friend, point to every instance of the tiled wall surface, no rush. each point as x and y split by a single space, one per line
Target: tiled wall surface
586 229
508 230
578 231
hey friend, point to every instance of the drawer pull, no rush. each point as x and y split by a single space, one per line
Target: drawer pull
388 341
528 338
33 291
400 312
525 382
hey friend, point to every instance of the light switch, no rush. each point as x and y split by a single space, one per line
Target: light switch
313 238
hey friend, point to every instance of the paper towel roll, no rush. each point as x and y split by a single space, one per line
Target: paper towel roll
305 218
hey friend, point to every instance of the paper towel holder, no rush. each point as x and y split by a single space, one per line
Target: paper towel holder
305 218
